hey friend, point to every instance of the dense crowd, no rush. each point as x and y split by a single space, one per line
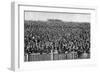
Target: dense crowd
36 40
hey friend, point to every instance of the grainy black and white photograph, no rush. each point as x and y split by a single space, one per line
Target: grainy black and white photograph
56 36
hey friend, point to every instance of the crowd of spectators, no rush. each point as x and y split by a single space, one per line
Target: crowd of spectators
42 37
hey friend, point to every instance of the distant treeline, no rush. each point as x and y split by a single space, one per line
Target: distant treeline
58 23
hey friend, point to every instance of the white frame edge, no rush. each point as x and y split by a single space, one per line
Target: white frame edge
15 63
14 37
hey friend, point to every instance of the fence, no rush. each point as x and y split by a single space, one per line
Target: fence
45 57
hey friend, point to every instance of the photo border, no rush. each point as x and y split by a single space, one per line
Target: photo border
16 63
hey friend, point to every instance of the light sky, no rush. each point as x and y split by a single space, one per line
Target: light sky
70 17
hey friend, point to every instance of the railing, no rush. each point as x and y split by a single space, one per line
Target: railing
45 57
